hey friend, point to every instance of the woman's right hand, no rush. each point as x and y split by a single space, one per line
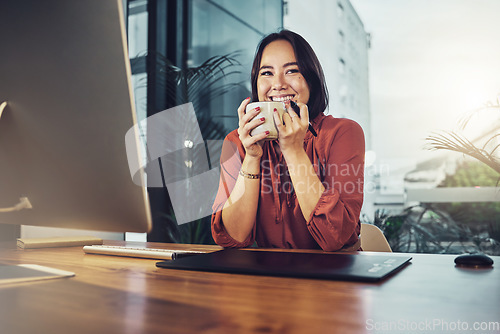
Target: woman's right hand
247 122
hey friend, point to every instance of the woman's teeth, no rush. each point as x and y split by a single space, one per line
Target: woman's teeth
281 99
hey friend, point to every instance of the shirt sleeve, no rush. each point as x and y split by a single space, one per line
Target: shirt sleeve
334 223
230 162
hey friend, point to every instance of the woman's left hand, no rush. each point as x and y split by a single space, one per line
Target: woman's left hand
293 131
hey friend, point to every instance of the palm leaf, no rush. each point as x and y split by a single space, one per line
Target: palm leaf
453 141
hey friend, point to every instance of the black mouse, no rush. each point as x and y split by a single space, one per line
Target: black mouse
477 260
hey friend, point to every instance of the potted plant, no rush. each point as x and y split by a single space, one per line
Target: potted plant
468 174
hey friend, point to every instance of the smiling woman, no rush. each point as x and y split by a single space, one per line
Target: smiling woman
300 60
292 192
279 77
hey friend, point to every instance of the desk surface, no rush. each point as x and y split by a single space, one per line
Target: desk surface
126 295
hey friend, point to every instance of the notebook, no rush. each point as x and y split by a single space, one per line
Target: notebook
365 267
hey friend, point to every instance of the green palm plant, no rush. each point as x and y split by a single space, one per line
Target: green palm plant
454 141
488 153
199 85
424 228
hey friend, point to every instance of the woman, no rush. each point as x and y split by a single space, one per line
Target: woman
300 191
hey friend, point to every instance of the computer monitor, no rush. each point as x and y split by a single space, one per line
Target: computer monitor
65 75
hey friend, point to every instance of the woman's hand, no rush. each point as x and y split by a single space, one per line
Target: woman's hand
248 122
293 131
306 183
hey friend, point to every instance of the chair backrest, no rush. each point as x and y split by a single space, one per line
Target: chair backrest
373 240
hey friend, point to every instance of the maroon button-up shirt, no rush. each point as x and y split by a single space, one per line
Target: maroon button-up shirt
337 155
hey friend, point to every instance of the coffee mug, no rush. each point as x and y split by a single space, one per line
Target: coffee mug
267 111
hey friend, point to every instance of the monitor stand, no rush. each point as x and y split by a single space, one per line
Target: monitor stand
24 202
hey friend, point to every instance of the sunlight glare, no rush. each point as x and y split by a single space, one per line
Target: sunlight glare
474 98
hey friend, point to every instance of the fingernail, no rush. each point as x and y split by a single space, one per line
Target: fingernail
248 98
263 119
275 109
267 132
258 108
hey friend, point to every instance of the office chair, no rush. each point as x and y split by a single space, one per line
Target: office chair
373 240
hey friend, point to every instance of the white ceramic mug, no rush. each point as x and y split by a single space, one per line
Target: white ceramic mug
267 111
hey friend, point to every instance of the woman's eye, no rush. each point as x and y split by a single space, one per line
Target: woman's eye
293 70
266 73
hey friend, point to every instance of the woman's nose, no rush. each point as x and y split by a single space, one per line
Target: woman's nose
279 82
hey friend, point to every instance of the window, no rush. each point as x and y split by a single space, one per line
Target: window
341 36
341 66
340 10
186 34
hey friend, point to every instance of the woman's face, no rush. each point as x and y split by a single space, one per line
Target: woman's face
279 78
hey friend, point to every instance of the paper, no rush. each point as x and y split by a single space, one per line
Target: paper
29 272
58 242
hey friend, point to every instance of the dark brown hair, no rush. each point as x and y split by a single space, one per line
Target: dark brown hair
309 67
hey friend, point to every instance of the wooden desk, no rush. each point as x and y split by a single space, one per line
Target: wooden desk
125 295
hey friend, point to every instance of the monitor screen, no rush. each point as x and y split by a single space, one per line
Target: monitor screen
67 104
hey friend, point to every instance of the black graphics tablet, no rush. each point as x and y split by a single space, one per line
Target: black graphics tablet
366 267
